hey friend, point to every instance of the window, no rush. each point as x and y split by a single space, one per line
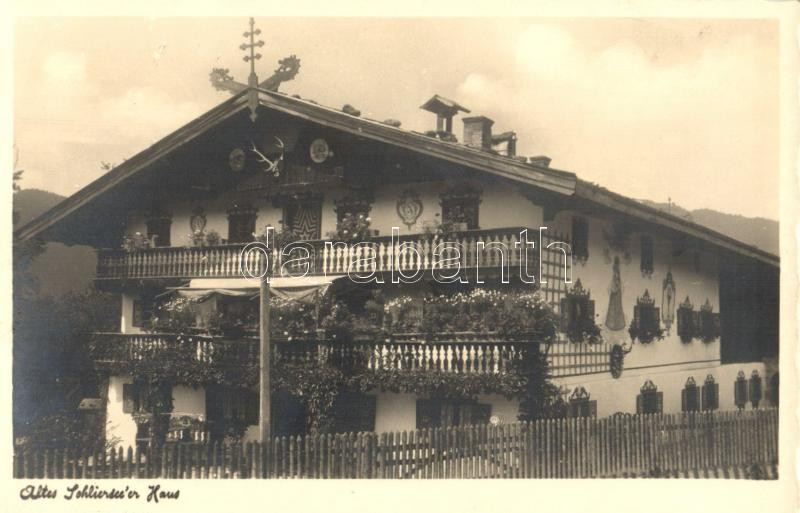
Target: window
354 204
354 413
756 392
710 394
225 403
142 312
580 405
241 224
686 321
740 390
304 217
708 328
649 400
647 255
690 396
239 310
646 324
135 398
451 412
577 314
580 238
158 230
461 206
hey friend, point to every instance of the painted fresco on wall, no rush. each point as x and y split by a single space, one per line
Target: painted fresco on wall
615 316
668 302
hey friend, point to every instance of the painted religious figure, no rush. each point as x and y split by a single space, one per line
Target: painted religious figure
668 301
615 316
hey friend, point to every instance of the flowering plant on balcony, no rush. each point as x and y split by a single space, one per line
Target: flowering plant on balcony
506 314
201 239
177 315
352 227
279 236
136 242
291 319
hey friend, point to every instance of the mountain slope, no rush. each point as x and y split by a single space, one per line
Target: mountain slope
757 231
60 268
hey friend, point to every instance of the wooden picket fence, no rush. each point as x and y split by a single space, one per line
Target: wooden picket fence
741 444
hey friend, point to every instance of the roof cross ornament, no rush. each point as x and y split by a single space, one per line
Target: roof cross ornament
252 80
222 80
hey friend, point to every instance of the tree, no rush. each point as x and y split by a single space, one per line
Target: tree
51 369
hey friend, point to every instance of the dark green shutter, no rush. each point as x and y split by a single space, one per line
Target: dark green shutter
566 314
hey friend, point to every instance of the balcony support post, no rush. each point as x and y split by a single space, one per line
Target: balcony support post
264 363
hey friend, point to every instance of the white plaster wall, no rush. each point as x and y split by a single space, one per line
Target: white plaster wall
127 314
596 275
119 425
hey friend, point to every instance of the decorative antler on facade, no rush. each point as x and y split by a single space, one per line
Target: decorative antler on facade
271 165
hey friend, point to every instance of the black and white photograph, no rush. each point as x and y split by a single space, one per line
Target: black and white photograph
396 248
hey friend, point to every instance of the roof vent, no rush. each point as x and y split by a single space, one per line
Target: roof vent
445 110
478 132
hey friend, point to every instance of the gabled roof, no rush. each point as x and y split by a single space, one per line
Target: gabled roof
134 164
532 174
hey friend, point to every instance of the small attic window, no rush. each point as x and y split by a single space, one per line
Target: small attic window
580 238
646 255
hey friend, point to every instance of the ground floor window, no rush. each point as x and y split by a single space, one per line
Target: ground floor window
354 412
580 404
756 391
710 394
649 400
690 396
740 390
451 412
230 409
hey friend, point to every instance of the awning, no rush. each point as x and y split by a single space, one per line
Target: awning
304 289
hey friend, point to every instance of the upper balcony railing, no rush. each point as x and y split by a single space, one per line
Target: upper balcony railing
325 258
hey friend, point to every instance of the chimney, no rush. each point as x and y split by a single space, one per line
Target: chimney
445 110
505 144
478 132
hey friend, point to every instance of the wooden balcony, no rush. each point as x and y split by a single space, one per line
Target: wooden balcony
228 261
465 354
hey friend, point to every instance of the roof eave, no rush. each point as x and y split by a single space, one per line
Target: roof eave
598 195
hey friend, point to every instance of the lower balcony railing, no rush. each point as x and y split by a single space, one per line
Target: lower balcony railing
228 261
462 355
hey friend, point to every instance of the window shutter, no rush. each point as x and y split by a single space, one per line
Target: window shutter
656 318
684 402
716 395
593 408
659 402
590 310
428 413
640 403
696 323
368 417
566 314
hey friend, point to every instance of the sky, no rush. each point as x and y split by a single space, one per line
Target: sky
658 109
